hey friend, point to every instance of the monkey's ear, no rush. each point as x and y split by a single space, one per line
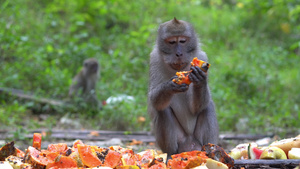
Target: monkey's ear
176 21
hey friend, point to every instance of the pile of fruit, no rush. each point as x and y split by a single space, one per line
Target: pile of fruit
80 155
282 149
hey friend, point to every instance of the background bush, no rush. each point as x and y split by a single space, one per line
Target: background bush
253 47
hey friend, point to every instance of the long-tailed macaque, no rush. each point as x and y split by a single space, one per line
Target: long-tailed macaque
84 83
183 116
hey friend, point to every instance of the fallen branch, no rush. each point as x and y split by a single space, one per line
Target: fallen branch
266 163
244 136
92 135
20 94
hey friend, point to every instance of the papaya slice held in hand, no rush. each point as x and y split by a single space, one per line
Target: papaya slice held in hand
200 63
183 76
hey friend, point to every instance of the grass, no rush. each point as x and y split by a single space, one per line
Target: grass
254 75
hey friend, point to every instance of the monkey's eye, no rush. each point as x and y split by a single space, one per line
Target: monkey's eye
182 40
172 42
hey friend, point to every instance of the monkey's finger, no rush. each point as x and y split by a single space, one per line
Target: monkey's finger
180 88
195 79
173 84
174 77
192 77
184 87
200 74
197 75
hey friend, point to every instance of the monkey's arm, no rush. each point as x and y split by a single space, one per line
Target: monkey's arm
200 91
161 95
76 85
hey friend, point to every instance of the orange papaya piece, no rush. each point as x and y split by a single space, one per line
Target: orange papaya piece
35 158
200 63
75 155
61 148
158 163
128 160
112 159
20 153
54 167
182 78
145 158
75 144
159 166
108 157
127 155
121 150
88 156
128 167
187 160
62 161
52 155
37 140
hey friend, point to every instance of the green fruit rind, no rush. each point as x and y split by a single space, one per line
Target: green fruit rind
273 153
250 152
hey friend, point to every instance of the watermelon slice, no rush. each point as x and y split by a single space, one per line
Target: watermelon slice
254 152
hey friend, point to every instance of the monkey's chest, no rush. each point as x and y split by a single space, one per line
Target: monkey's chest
184 116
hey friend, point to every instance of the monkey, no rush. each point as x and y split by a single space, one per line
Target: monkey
183 117
84 83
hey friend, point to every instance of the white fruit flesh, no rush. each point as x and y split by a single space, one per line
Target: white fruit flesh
294 153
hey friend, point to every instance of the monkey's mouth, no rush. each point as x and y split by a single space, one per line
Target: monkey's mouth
178 66
94 68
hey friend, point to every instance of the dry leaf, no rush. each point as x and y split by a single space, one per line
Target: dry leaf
135 142
94 134
141 119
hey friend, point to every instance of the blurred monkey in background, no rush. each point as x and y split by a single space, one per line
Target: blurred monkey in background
84 83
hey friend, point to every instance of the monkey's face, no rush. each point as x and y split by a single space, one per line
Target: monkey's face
177 42
91 66
177 51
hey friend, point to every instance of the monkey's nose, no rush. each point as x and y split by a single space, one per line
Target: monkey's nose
178 54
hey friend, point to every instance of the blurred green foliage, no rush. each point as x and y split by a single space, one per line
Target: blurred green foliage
253 47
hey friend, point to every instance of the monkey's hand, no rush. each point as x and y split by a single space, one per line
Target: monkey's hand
176 88
198 76
161 95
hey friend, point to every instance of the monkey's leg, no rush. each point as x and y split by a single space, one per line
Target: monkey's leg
207 128
167 131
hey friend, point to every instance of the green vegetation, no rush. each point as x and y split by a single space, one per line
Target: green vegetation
253 47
